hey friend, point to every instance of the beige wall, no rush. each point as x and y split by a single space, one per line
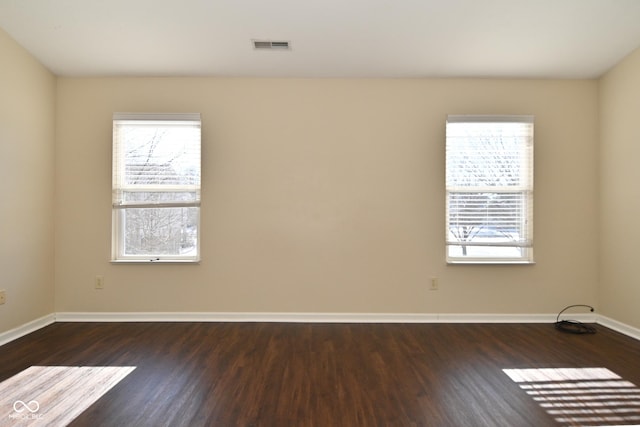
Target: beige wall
619 292
327 196
27 119
318 195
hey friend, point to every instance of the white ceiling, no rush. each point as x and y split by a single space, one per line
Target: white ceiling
329 38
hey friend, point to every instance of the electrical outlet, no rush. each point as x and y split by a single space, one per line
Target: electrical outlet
434 284
99 283
3 296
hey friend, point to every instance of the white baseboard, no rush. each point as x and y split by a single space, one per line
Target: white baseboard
623 328
495 318
34 325
27 328
309 317
245 317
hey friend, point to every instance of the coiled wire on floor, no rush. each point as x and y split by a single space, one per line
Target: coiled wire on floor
574 326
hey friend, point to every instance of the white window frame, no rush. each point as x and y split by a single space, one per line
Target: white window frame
478 248
120 188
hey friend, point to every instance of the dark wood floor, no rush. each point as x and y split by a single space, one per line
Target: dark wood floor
274 374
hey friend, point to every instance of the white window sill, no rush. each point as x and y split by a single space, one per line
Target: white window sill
497 262
155 261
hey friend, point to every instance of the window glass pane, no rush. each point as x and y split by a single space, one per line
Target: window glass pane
487 154
159 153
488 217
160 231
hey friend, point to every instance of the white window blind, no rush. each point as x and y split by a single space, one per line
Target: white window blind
156 186
489 189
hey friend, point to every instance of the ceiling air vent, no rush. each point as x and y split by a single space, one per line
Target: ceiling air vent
270 45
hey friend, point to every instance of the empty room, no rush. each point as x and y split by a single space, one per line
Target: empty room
336 213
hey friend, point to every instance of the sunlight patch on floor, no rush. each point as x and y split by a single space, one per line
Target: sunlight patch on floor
581 396
55 395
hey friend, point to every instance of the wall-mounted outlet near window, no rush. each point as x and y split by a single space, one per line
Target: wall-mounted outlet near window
3 296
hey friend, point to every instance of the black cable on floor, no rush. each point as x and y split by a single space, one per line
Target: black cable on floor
574 326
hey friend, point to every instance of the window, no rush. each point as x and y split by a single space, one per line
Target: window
156 187
489 186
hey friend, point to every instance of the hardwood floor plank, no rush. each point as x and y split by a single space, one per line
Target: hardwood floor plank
286 374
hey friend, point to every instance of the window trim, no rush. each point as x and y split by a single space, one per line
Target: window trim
119 207
527 256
